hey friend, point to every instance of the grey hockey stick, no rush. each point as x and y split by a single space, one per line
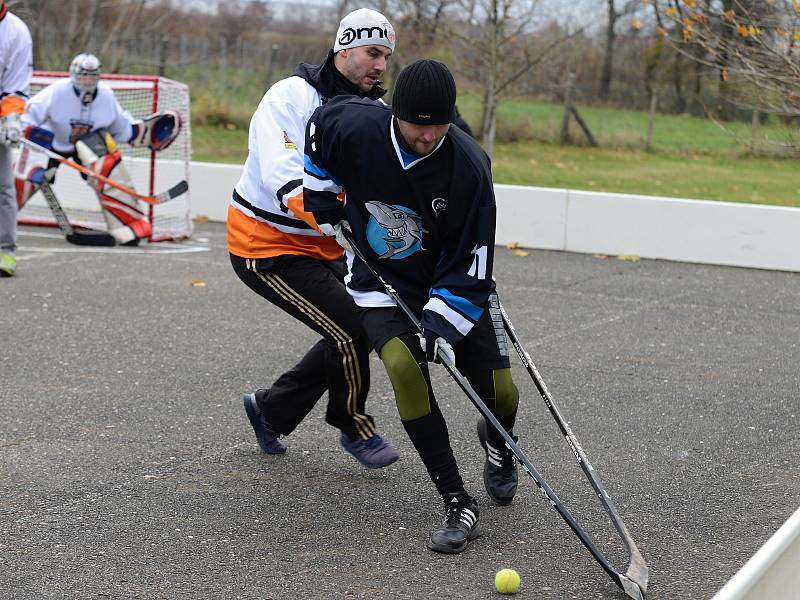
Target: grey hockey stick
637 571
73 236
634 581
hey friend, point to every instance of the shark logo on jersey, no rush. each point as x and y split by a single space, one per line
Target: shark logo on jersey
393 231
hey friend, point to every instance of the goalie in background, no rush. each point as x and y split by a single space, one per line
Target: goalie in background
87 123
16 68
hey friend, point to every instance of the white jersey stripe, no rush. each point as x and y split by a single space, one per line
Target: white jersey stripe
454 318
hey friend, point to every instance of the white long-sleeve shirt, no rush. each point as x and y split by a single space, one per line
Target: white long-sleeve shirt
16 62
58 108
266 216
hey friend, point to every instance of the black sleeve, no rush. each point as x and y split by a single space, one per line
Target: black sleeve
321 190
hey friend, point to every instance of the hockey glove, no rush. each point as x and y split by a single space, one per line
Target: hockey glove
336 231
10 130
157 131
433 345
40 136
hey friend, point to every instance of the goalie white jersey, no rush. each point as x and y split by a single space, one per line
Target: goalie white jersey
59 109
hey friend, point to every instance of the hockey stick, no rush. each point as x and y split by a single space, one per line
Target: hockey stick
74 236
176 190
637 571
634 581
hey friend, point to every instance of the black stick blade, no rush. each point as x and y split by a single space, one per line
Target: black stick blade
176 190
91 238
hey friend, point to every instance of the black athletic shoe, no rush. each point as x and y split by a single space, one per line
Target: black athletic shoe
499 470
459 527
267 438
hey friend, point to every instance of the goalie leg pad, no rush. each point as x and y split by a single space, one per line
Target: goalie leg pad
25 189
125 223
93 146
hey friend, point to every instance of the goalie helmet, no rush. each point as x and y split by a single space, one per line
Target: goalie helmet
84 71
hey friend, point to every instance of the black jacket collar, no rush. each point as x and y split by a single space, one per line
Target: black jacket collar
329 82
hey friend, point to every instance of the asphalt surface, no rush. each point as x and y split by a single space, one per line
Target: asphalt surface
128 468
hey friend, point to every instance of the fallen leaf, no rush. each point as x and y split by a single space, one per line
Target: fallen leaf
512 245
630 257
517 252
201 219
198 283
603 256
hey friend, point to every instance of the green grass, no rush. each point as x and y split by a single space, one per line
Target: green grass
219 144
617 128
696 176
691 158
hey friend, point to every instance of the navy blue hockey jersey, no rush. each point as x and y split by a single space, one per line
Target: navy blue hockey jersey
426 224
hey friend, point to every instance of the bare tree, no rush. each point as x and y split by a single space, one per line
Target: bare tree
613 15
500 42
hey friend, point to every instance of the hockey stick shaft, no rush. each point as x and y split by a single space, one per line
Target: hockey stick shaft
631 588
73 236
175 191
637 569
58 211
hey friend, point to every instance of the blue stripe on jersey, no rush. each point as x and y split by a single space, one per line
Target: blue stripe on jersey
408 157
316 171
462 305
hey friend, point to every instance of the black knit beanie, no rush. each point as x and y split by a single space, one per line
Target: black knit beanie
424 93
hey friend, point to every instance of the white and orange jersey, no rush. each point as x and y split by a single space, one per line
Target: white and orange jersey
16 64
266 217
59 109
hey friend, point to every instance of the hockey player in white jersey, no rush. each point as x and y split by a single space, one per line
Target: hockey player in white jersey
87 123
276 250
16 68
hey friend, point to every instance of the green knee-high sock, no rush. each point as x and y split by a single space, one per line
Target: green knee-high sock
423 421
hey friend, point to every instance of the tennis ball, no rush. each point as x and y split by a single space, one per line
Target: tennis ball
506 581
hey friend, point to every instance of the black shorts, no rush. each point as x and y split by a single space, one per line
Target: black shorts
484 347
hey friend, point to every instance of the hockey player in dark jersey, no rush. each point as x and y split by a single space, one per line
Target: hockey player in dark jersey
420 205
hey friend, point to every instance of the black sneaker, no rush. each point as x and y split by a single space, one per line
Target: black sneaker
499 470
266 436
460 524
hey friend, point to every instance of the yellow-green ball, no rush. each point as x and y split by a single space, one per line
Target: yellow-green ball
507 581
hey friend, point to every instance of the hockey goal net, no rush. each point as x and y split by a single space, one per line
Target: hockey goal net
150 172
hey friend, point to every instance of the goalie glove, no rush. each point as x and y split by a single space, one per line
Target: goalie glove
433 345
157 131
40 136
10 130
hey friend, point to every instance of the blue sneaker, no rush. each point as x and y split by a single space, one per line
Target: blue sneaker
374 453
266 436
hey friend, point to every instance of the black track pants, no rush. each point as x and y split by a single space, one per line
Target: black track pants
311 291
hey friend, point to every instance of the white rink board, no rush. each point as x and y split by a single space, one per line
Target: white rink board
773 573
697 231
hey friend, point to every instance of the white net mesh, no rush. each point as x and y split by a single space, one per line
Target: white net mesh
150 172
